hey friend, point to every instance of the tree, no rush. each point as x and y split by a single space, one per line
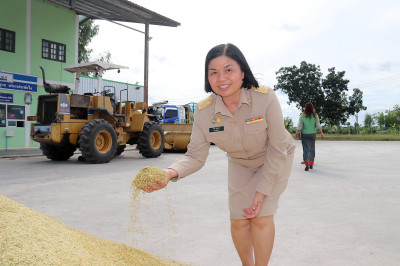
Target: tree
105 56
305 84
335 109
87 30
381 120
392 119
348 124
356 105
368 123
302 85
288 123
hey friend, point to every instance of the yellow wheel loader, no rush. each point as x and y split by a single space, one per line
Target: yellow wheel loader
96 123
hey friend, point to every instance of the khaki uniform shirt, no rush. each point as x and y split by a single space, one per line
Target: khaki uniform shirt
254 136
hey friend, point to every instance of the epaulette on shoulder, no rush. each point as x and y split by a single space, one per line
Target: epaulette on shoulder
262 89
204 103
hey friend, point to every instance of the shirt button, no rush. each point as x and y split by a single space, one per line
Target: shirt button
238 140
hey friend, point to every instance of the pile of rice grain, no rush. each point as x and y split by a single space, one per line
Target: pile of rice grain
28 237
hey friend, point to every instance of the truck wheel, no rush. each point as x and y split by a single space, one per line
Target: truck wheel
151 140
120 149
57 153
98 141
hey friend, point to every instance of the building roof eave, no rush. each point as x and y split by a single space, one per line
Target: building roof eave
116 10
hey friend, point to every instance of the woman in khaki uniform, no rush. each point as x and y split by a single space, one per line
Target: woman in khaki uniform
246 121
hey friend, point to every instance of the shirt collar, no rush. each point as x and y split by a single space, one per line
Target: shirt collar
223 110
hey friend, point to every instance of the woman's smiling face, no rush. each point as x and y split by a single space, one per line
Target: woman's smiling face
225 76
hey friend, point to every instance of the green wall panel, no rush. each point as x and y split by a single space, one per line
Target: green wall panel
57 25
13 18
12 142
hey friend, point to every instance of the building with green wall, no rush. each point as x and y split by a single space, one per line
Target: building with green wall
33 33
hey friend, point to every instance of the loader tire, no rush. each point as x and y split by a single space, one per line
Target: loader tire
120 149
151 140
57 153
98 141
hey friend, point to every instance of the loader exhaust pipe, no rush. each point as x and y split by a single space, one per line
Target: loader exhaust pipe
53 88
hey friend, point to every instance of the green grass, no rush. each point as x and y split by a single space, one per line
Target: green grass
361 137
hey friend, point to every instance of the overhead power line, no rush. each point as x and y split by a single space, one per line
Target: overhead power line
379 81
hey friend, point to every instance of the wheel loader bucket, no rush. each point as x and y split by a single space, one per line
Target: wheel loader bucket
177 136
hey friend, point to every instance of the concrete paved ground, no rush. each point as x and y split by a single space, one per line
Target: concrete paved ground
346 211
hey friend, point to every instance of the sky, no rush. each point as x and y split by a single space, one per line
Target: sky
360 37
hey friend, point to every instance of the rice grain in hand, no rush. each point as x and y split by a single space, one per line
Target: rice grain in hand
148 175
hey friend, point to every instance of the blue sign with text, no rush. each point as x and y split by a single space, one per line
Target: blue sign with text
6 98
19 82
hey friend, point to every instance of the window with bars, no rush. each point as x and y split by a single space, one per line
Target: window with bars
7 40
53 50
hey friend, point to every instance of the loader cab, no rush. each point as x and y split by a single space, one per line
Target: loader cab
98 67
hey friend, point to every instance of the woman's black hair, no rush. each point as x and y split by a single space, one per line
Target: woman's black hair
234 53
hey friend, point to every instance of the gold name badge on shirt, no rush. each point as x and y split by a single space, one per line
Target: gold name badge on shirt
216 120
254 120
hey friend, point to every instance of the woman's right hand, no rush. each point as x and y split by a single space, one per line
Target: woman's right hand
255 208
169 174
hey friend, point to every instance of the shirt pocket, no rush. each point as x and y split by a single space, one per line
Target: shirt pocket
256 133
220 139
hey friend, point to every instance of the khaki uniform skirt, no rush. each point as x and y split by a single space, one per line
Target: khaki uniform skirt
242 182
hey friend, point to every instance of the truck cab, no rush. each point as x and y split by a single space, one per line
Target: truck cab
174 114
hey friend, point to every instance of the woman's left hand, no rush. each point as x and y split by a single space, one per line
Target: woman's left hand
255 207
298 136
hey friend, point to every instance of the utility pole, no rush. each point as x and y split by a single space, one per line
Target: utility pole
146 64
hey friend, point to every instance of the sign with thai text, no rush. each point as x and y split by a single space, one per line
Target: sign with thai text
6 98
19 82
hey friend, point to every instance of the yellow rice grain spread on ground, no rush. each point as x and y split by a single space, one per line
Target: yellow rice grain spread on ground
148 174
28 237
